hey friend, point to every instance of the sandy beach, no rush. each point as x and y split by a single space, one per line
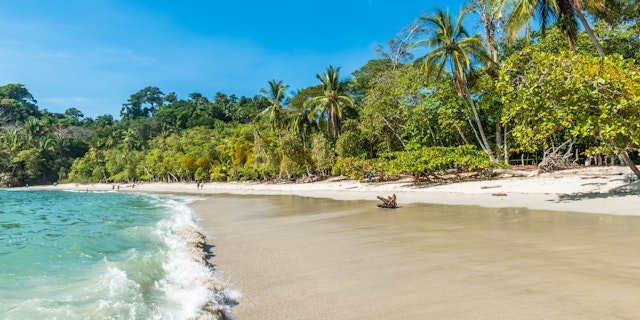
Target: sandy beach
509 248
590 190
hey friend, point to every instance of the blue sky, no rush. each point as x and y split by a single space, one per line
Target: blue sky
93 54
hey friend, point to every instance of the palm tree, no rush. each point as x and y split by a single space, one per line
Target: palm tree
32 128
12 139
276 97
452 44
564 12
331 102
298 121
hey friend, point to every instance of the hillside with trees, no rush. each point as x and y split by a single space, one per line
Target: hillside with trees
438 100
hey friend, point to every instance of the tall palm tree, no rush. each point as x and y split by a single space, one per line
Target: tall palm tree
565 12
451 44
597 7
331 102
275 94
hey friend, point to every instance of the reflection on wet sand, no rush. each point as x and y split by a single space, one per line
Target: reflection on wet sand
305 258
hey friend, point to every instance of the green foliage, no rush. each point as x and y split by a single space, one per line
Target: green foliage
622 39
82 170
17 103
418 162
322 154
355 167
437 159
331 103
549 96
296 159
388 105
143 103
352 143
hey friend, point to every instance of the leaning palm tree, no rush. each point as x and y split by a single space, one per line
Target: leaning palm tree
451 44
276 97
331 102
565 12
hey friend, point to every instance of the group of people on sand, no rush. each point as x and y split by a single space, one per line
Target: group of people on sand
199 185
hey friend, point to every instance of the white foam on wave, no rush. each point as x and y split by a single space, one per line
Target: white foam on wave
108 295
123 299
189 281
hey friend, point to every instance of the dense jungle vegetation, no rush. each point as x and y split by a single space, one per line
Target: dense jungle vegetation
438 99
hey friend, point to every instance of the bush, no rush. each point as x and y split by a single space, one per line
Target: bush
437 159
355 167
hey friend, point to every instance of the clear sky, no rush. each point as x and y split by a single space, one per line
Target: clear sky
93 54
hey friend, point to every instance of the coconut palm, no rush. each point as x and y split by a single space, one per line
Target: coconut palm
330 104
451 44
276 97
565 12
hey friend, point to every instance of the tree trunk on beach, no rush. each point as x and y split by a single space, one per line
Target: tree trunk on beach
625 156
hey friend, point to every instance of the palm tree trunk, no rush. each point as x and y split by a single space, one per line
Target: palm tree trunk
484 143
589 31
625 157
567 35
334 124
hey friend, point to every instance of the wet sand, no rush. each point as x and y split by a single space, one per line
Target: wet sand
307 258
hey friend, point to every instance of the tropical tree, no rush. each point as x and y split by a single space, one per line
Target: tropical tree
143 103
17 103
587 97
565 12
330 104
452 44
275 94
491 15
397 50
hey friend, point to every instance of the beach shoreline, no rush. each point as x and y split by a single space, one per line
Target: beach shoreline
605 190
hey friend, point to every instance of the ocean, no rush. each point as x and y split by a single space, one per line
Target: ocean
103 255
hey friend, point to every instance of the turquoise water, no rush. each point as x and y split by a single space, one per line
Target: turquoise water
79 255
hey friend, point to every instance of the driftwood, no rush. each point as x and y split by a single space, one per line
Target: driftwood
553 159
389 202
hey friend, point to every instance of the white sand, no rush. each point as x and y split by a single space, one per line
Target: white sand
592 190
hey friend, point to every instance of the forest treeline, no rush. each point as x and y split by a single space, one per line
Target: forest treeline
437 99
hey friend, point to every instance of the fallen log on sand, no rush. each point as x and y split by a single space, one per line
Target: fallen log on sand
389 202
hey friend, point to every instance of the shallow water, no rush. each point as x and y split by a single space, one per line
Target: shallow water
308 258
77 255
